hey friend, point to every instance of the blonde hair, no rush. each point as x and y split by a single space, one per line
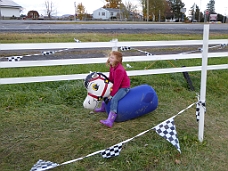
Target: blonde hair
119 58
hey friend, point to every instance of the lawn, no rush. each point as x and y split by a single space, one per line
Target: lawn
47 120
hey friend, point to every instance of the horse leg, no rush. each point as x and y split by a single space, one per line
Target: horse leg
110 120
101 109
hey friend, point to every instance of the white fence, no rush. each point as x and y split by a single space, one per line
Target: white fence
114 44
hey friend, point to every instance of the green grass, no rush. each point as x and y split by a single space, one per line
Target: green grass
97 37
47 121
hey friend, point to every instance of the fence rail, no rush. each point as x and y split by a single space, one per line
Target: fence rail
23 46
114 44
103 60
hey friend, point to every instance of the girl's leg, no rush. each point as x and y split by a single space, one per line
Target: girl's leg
113 107
119 95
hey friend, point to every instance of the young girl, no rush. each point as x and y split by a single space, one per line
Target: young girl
121 85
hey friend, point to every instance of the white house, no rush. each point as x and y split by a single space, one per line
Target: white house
9 8
106 13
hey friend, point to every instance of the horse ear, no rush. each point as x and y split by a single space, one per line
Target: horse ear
95 75
90 72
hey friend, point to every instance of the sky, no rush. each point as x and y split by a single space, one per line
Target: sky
67 6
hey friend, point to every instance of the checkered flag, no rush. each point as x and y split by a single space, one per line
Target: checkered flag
148 54
125 48
167 130
112 151
43 165
48 52
197 111
14 58
198 104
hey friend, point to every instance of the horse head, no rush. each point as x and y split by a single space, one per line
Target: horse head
98 86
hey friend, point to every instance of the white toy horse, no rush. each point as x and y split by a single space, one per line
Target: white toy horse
139 100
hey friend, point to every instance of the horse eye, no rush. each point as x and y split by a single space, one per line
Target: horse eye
95 87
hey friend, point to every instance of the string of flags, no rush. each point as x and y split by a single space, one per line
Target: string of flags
166 129
220 46
126 48
198 104
18 58
123 48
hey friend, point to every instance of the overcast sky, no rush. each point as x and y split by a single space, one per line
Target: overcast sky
67 6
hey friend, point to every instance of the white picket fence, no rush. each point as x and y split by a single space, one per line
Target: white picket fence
113 44
103 60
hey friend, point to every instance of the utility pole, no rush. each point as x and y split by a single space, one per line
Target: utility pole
199 11
75 11
0 10
225 17
147 17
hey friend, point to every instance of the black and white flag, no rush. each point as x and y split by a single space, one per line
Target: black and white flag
42 165
112 151
167 130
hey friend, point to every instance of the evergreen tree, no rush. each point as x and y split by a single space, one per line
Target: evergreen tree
211 6
195 12
176 7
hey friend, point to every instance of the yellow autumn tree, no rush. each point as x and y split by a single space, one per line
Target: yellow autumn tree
113 4
80 11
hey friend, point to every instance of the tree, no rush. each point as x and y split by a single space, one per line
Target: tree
49 8
156 9
130 7
128 10
113 4
195 11
176 7
211 6
168 11
80 11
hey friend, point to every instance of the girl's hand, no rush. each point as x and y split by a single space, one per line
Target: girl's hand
107 99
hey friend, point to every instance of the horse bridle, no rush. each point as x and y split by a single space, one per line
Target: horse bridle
106 81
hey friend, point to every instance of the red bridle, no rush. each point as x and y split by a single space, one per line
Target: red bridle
106 81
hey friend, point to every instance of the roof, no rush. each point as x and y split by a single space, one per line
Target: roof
112 9
9 3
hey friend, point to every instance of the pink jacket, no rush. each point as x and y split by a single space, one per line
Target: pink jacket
118 76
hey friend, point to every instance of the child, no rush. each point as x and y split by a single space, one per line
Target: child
121 85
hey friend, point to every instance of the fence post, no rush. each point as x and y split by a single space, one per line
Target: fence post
203 81
115 47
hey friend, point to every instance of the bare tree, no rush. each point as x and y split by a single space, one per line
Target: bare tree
129 10
130 7
49 8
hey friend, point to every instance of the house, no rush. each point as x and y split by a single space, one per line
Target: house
9 8
106 14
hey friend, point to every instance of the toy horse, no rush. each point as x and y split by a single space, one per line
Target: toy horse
139 101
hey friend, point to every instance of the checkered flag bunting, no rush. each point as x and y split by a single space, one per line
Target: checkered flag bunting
112 151
43 165
48 52
14 58
167 130
197 111
198 104
124 48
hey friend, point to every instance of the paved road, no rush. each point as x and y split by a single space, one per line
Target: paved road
57 27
